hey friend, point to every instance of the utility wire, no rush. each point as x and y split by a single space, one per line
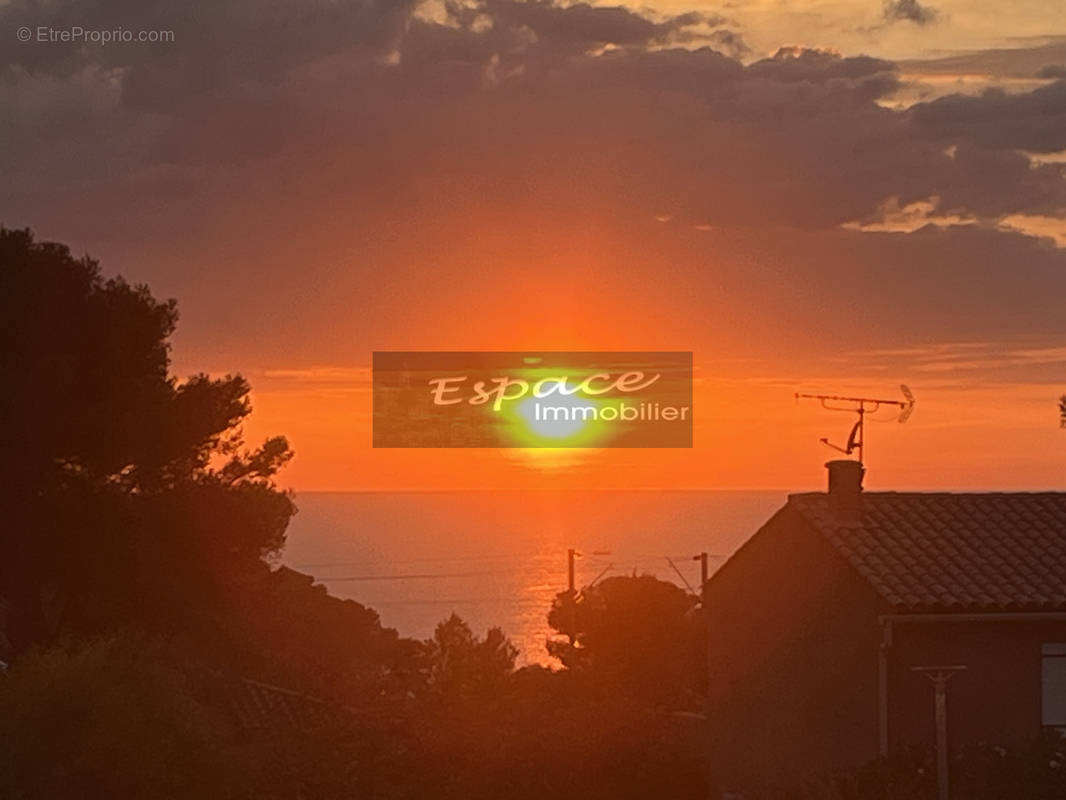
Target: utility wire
406 576
673 566
540 555
320 565
457 601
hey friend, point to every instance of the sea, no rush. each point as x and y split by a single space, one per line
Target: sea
498 558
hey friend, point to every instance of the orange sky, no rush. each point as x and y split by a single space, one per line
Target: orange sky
749 433
761 321
808 196
986 415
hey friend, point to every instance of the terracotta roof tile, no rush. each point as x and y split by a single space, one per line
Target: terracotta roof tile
942 551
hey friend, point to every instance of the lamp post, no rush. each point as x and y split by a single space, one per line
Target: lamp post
940 676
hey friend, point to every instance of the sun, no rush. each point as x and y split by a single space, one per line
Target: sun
559 426
523 426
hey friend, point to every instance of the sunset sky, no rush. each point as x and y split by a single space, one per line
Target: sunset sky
810 196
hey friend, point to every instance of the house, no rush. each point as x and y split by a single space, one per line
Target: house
817 623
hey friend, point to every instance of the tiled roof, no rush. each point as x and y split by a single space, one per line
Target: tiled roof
260 705
953 552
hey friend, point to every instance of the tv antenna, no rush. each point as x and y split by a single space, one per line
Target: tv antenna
861 406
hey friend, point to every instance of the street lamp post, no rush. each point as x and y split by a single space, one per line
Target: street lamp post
940 676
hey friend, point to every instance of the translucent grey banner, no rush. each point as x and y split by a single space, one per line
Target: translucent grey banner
532 399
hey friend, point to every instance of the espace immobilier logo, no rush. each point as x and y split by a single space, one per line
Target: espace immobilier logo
532 399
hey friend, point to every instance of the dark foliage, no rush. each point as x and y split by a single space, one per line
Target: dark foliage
134 505
107 719
640 634
1036 771
130 496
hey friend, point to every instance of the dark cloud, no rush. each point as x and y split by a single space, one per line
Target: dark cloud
1053 72
994 182
489 93
909 11
729 42
244 39
364 134
1034 121
586 26
890 289
791 64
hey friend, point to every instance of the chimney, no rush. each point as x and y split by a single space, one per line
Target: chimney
845 486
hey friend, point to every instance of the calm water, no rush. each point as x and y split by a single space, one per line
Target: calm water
498 558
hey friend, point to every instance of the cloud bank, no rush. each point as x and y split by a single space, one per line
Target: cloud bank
273 159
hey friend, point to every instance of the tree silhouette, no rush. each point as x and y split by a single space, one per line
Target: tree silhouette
639 635
129 494
1062 411
459 662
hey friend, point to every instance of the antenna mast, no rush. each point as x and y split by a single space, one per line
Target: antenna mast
861 406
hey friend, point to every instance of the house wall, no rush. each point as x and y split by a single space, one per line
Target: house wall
793 635
996 700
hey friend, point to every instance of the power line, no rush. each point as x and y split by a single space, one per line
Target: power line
604 568
457 601
539 555
484 557
406 576
684 580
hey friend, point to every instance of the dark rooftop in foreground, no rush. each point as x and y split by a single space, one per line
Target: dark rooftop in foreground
946 552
